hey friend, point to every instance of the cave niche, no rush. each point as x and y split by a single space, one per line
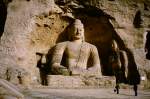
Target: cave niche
137 19
98 31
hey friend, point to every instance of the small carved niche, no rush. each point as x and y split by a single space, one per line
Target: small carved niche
137 19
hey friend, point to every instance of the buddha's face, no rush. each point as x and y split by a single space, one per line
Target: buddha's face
78 31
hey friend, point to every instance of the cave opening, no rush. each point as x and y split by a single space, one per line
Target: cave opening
137 22
3 15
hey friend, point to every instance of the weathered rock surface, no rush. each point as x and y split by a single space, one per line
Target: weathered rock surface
37 25
59 81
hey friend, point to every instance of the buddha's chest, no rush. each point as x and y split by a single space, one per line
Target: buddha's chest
74 50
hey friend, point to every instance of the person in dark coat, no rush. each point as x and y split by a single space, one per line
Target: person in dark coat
133 76
147 45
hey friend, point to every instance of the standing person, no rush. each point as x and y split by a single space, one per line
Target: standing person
147 45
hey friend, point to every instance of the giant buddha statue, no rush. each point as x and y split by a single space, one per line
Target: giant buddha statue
75 56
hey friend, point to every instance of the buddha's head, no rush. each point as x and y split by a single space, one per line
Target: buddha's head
76 31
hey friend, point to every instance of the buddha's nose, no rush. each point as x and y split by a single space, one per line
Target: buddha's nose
77 33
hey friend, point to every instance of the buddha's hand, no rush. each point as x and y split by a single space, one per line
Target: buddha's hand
60 70
65 72
62 67
77 71
92 69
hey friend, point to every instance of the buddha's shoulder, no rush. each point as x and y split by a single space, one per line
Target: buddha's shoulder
62 43
89 45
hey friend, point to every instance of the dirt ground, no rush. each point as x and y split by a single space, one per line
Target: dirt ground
101 93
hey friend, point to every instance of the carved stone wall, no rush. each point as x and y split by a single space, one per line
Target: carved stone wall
36 25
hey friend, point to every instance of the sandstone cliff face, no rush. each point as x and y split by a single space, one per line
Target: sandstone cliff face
17 48
37 25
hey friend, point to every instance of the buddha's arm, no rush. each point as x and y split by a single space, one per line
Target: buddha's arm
57 55
95 59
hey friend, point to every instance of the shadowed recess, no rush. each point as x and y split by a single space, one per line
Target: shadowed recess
137 20
100 32
3 15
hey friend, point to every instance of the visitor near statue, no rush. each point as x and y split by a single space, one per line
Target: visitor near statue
147 45
75 57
